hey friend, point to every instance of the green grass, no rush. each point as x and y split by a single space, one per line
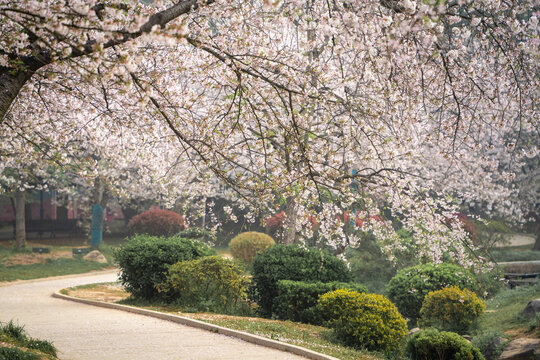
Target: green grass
53 267
22 346
315 338
511 254
503 312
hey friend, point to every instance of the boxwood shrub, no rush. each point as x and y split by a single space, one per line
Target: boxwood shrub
434 345
144 260
408 288
292 262
297 300
246 245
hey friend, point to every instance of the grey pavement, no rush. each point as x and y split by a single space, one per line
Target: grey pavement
84 332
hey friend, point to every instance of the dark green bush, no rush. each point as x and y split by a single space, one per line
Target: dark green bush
144 260
292 262
435 345
195 233
207 284
297 300
411 285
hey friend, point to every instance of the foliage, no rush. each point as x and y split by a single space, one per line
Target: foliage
274 225
451 309
144 259
292 262
246 245
410 285
434 345
207 284
483 340
510 254
297 300
195 233
489 283
16 335
364 320
157 222
492 233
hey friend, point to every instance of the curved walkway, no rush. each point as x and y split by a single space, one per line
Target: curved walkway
82 332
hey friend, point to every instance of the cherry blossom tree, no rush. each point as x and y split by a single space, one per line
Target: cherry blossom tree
288 102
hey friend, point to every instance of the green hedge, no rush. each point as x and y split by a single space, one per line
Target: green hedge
297 300
411 285
144 261
292 262
434 345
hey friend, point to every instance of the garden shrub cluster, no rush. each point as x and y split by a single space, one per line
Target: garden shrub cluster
408 288
451 309
246 245
368 321
434 345
207 284
144 260
195 233
292 262
157 222
297 300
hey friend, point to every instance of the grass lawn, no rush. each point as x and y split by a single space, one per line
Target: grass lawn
24 264
503 312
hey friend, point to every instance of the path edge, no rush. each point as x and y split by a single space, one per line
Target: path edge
254 339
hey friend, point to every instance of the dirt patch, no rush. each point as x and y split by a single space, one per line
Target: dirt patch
107 293
27 259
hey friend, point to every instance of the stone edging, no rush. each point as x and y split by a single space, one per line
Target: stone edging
258 340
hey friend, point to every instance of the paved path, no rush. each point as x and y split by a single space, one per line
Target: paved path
84 332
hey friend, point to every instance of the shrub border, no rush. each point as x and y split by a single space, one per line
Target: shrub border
258 340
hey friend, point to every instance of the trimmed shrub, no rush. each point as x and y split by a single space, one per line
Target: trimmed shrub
157 222
292 262
451 309
246 245
207 284
408 288
144 260
297 300
369 321
434 345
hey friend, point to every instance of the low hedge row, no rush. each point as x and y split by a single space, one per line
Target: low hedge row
297 300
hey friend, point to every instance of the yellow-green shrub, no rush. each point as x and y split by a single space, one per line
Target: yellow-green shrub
207 284
364 320
451 309
244 246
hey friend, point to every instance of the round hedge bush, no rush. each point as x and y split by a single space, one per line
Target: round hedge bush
246 245
434 345
292 262
157 222
369 321
408 288
144 260
451 309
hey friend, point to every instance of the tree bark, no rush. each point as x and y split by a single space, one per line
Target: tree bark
537 228
10 86
20 228
290 221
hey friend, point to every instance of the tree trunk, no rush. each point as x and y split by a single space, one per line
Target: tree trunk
20 229
290 221
10 86
537 228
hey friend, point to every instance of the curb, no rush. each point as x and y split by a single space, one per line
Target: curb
254 339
